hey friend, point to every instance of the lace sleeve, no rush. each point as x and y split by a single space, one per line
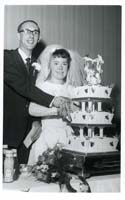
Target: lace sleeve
41 111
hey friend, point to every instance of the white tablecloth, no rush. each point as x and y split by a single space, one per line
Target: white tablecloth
108 183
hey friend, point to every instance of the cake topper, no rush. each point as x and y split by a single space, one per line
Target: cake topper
93 69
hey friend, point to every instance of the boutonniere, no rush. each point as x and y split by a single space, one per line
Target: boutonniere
36 66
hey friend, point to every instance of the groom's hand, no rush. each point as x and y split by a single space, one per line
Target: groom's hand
64 106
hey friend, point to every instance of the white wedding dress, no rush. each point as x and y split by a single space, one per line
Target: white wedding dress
54 129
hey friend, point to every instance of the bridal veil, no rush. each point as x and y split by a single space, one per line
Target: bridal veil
76 73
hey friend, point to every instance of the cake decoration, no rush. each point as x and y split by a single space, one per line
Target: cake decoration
92 95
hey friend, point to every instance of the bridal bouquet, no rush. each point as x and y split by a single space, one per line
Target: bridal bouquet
51 166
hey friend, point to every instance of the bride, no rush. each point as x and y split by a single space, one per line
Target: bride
58 77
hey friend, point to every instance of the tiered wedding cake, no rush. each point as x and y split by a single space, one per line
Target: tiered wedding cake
91 116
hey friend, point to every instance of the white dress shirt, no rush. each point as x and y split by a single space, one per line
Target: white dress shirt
23 55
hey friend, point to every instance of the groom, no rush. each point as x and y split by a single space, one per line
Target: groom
19 89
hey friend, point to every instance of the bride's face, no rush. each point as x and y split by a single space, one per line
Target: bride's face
59 69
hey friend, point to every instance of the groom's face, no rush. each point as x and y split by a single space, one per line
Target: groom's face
28 36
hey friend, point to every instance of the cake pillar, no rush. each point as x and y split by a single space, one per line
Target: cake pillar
89 106
93 106
83 106
101 132
81 133
89 132
92 132
99 106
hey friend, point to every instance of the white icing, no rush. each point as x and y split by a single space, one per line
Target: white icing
95 91
93 145
80 117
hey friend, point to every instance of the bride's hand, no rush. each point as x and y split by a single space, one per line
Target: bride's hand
58 101
63 105
64 111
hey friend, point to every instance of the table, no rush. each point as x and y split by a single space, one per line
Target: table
98 184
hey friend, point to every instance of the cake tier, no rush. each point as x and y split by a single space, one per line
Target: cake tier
92 145
95 117
94 91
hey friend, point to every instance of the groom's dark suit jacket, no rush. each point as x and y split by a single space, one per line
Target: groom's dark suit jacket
19 90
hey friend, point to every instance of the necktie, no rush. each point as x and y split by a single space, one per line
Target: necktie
28 63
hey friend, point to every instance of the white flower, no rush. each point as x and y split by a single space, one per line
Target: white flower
36 66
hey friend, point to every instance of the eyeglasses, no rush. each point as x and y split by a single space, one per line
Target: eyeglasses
29 32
